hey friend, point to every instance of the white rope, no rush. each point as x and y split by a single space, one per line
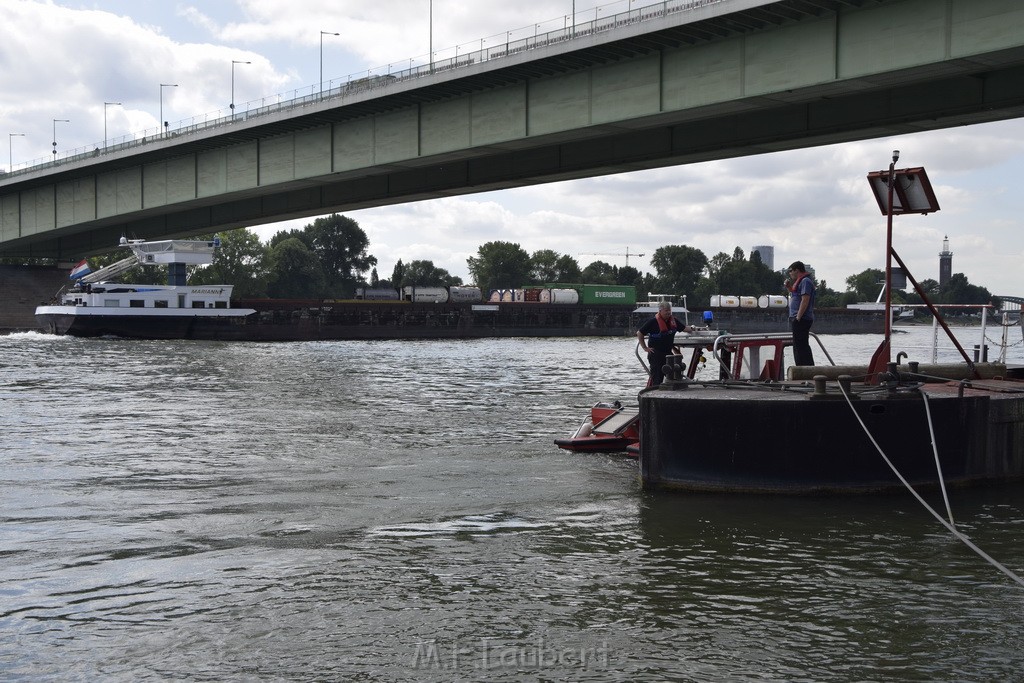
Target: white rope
935 451
970 544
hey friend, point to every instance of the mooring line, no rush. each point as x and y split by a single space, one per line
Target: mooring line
935 451
952 529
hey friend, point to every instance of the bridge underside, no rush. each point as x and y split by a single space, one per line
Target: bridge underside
872 103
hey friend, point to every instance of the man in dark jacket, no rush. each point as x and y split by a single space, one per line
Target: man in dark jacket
660 332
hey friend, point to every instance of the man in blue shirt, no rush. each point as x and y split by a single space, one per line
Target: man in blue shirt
801 312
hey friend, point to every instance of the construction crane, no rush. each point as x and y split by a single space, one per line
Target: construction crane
627 255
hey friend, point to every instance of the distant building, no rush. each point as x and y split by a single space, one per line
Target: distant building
945 263
767 253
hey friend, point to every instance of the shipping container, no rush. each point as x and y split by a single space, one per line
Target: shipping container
377 294
607 294
563 296
460 295
528 294
436 295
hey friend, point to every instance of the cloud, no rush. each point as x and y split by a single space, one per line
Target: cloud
92 57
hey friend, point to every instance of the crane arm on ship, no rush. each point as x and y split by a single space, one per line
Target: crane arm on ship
112 270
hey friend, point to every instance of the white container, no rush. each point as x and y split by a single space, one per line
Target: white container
748 302
716 300
458 295
772 301
564 296
728 301
432 295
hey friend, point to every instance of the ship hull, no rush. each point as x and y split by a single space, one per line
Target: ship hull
742 440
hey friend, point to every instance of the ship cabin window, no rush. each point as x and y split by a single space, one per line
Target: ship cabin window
198 304
112 303
137 303
220 304
160 303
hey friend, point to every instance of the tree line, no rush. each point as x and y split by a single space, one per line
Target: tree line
329 258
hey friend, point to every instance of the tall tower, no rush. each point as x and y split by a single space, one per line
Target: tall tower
945 263
767 255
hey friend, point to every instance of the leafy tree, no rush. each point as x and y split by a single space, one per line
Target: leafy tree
743 277
398 274
374 279
241 261
716 264
960 291
282 235
549 266
600 273
929 286
295 271
825 297
866 284
628 275
568 269
647 284
500 265
544 267
679 268
341 246
426 274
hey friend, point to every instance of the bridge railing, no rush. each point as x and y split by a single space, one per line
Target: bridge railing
379 79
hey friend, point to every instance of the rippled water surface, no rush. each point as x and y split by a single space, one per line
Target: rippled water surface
394 511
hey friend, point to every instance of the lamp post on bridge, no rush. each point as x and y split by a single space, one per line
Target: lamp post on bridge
163 124
233 62
10 149
55 122
320 86
105 105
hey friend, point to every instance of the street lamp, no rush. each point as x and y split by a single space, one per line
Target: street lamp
10 149
55 122
163 124
105 105
320 88
233 62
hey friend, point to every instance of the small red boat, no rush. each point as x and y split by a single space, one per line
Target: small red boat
610 429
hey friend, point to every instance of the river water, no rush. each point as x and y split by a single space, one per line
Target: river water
396 511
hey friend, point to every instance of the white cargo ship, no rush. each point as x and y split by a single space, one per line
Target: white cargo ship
96 306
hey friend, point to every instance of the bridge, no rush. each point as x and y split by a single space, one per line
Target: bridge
678 82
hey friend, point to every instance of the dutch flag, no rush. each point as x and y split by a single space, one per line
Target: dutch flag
81 270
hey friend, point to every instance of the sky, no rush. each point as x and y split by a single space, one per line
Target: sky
66 59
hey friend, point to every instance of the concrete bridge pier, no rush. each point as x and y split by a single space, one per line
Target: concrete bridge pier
22 288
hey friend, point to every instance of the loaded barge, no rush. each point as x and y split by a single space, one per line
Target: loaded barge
97 305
